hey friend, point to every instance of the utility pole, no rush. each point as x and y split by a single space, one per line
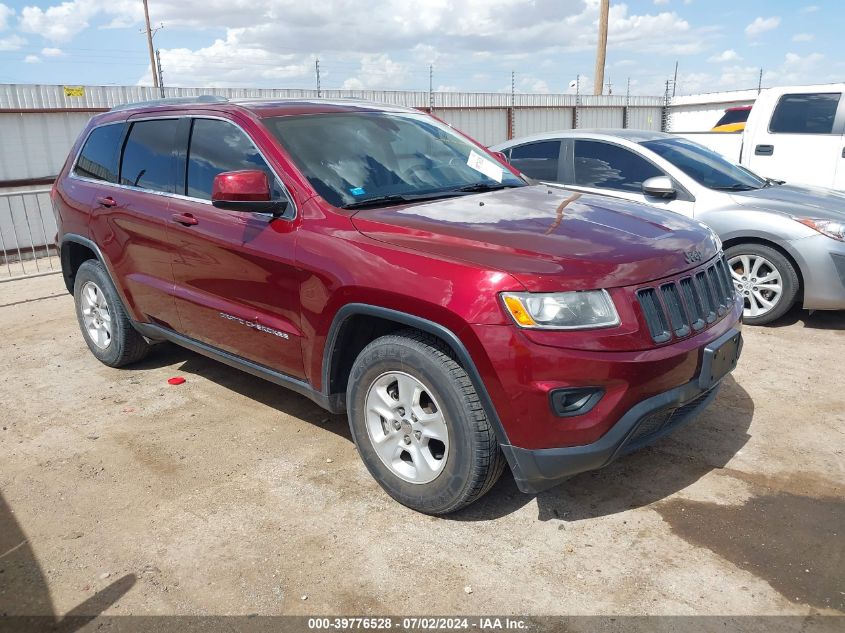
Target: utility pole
760 82
160 73
317 71
431 88
625 121
675 79
150 44
601 51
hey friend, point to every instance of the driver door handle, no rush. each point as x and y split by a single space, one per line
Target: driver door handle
107 201
185 219
764 150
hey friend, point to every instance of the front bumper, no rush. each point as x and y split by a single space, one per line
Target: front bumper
535 470
822 263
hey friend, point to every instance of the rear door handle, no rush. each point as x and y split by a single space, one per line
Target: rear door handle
764 150
107 201
185 218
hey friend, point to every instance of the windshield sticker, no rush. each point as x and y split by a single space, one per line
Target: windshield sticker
485 166
357 191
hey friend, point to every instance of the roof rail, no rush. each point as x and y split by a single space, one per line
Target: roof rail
171 101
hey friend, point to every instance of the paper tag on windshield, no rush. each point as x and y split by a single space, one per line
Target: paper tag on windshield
485 166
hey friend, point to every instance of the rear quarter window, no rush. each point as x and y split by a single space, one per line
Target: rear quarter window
810 113
98 158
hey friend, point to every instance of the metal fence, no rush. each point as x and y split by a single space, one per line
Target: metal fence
27 235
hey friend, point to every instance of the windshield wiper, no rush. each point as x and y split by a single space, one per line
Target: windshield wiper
736 187
771 181
481 186
396 198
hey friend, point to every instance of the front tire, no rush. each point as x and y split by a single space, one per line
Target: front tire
765 279
419 425
102 319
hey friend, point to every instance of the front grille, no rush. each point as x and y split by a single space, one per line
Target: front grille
677 308
659 423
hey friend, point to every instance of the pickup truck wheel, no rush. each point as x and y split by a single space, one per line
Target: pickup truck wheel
102 319
419 425
765 279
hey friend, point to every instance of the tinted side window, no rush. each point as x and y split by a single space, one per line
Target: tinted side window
805 113
98 158
609 166
217 146
149 157
537 160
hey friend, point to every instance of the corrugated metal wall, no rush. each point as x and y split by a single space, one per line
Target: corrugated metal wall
598 116
537 120
488 126
36 145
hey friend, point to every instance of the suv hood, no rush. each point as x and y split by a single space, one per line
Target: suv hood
548 238
798 200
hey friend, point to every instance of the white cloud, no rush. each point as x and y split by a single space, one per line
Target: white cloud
761 25
661 1
729 55
376 71
810 8
32 59
58 23
52 52
803 37
281 36
229 62
6 14
11 43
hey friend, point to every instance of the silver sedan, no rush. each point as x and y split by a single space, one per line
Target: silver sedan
784 242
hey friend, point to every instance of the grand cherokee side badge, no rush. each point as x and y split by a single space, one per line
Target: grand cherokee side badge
692 256
254 325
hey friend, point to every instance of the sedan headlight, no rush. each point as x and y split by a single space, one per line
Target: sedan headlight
831 228
576 310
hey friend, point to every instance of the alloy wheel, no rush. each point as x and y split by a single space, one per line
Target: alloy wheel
96 315
758 282
406 427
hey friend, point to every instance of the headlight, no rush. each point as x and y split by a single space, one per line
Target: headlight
831 228
575 310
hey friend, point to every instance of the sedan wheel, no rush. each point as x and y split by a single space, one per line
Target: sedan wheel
766 280
759 283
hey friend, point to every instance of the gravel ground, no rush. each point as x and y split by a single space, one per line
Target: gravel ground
229 495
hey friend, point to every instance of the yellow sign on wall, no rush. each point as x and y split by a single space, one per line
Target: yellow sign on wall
74 91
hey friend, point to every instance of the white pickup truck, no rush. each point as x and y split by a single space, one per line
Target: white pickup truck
794 133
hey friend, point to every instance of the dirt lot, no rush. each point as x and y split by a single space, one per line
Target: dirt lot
228 495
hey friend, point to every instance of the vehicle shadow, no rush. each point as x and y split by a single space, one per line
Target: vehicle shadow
635 480
247 385
25 602
639 479
817 320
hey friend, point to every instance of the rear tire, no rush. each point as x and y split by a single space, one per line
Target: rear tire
765 279
105 326
419 425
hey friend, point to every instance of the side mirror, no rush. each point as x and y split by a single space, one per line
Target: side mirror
247 190
501 156
659 187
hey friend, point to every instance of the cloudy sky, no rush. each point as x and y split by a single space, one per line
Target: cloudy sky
473 44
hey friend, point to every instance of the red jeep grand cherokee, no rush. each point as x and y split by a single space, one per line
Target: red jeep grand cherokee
381 263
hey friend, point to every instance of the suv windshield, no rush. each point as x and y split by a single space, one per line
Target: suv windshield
357 158
705 166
